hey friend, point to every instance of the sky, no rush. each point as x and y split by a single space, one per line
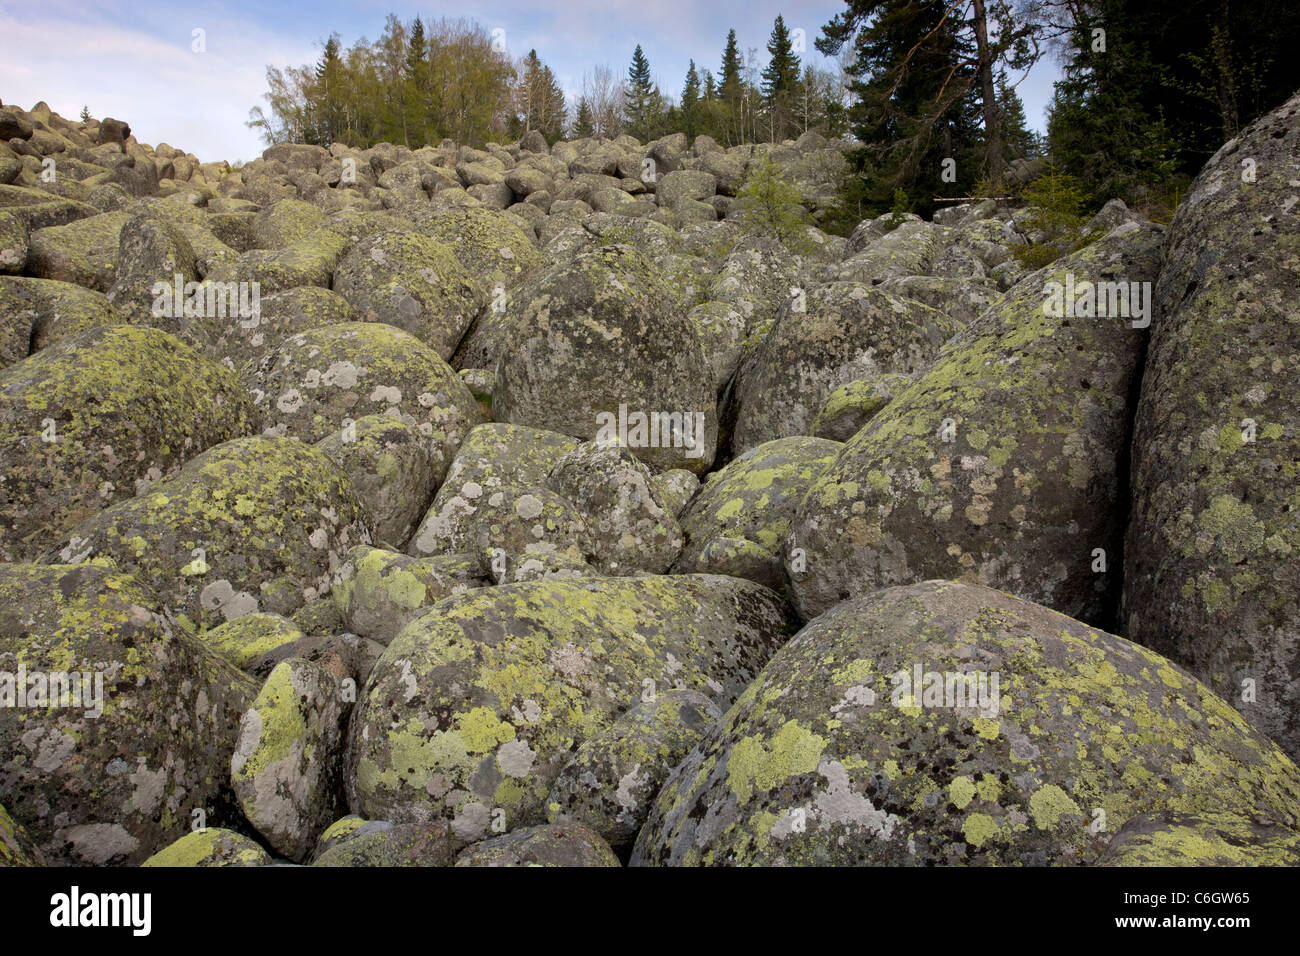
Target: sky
136 60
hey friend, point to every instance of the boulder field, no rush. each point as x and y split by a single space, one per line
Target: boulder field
529 506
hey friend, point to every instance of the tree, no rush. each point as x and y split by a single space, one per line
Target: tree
780 81
417 84
731 92
643 102
604 89
85 114
539 101
583 124
328 117
690 108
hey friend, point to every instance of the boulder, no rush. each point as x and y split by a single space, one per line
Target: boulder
599 352
559 844
1001 464
393 470
110 767
286 769
318 379
99 417
825 338
951 724
1211 572
614 777
254 524
476 706
413 282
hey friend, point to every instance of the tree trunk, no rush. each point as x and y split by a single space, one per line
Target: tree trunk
992 125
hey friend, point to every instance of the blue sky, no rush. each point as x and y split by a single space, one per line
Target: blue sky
133 59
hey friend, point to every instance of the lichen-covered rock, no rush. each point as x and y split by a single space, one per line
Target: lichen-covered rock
255 524
492 456
247 639
675 488
850 407
16 847
84 252
319 378
494 250
477 705
946 723
380 843
237 341
835 334
42 311
286 769
393 469
1211 571
753 499
758 277
13 243
555 844
628 526
112 770
961 299
723 328
904 251
152 250
283 223
1203 839
1001 464
612 779
99 417
377 592
310 261
521 533
686 184
211 846
413 282
599 347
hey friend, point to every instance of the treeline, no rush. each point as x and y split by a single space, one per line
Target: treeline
1151 89
425 80
924 89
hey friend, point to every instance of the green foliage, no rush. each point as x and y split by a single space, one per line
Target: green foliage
771 205
1057 203
902 206
643 104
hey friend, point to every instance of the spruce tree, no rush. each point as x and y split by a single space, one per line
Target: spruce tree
731 91
690 107
780 80
642 101
583 123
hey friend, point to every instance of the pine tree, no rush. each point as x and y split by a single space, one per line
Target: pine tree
690 107
85 114
910 74
780 80
583 124
539 101
417 83
731 92
331 78
1018 140
642 100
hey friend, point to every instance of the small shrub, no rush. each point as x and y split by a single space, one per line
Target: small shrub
1056 200
770 205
